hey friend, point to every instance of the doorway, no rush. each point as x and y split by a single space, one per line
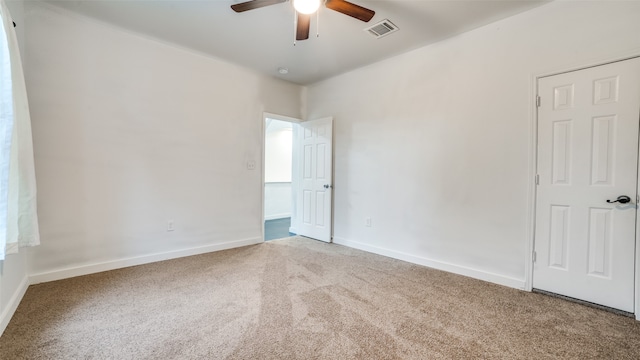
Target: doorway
279 198
587 181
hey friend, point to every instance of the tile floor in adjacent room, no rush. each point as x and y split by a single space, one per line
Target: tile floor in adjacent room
277 229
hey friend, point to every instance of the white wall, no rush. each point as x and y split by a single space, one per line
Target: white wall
277 200
435 145
278 151
13 284
278 154
13 270
130 133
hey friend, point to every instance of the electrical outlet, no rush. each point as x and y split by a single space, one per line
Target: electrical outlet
251 165
367 222
170 226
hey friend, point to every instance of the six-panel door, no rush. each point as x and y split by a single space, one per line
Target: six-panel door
314 198
587 154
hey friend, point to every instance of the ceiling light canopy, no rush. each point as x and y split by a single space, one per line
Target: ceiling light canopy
306 6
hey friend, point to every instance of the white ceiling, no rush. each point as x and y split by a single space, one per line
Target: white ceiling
262 39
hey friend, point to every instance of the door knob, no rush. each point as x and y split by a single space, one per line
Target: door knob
327 186
622 199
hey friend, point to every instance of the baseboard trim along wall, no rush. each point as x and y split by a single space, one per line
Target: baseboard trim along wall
440 265
138 260
11 308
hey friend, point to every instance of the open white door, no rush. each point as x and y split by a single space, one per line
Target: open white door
316 165
587 166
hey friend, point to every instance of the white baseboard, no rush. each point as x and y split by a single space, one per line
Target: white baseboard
133 261
440 265
293 230
12 306
277 216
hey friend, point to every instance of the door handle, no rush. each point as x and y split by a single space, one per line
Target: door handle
622 199
327 186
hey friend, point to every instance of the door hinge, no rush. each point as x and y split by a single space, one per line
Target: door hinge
537 179
538 101
534 256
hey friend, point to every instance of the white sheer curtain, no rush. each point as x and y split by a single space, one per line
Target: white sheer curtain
18 212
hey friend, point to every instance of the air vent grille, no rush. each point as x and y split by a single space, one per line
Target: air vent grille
381 29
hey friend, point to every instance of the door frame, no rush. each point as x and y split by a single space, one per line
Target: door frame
265 116
533 164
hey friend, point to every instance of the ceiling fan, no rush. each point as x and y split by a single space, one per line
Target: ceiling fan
304 9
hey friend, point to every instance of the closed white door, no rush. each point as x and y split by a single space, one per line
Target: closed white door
587 158
316 165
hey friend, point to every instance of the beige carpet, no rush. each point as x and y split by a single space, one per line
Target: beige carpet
302 299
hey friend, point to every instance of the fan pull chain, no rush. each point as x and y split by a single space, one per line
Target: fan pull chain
318 22
295 27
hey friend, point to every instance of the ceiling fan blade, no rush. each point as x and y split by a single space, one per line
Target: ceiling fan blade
302 31
255 4
350 9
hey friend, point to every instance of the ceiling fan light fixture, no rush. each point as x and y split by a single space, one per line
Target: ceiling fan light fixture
306 6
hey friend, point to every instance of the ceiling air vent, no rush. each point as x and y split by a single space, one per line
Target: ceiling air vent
381 29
